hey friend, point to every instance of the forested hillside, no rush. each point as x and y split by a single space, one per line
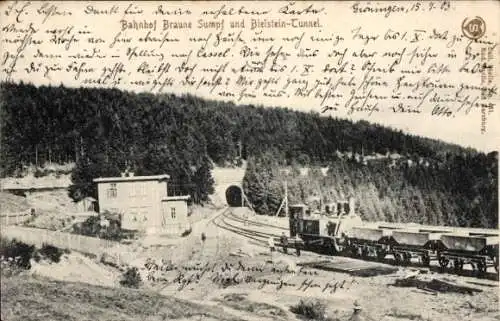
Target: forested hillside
105 131
458 191
62 124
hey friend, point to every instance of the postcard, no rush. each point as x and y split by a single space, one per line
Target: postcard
249 160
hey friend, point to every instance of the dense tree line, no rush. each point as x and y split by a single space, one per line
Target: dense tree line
461 190
105 131
63 124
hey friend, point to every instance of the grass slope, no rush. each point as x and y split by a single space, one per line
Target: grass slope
27 298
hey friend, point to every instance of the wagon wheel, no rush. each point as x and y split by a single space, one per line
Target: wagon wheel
426 260
443 262
381 253
458 265
331 248
407 258
481 266
353 251
398 258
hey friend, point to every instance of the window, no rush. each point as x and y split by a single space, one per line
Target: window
172 212
112 191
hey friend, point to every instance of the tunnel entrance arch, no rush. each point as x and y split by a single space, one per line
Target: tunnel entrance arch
234 196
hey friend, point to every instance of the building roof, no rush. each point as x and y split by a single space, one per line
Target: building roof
131 178
176 198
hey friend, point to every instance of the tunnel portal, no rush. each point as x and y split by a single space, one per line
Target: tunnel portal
234 196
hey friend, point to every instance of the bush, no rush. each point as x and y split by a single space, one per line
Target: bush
92 227
60 172
40 173
21 252
16 256
311 310
52 252
89 227
131 278
114 232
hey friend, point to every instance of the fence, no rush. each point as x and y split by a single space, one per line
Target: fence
14 219
79 243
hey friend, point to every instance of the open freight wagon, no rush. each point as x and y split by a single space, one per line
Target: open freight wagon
480 251
340 230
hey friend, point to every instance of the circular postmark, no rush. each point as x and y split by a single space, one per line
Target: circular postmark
473 28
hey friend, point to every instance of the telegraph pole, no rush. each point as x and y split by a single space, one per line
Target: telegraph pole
242 197
284 202
286 198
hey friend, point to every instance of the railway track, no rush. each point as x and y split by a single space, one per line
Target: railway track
351 266
222 222
254 223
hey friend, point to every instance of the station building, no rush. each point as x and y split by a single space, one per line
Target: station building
143 203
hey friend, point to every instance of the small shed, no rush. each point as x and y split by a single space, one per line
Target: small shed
175 214
86 205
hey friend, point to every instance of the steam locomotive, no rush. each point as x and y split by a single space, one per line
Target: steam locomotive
336 229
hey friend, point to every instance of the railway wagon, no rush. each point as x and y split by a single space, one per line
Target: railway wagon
343 232
409 243
439 229
368 241
480 251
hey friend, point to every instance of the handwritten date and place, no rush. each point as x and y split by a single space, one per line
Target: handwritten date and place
249 53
